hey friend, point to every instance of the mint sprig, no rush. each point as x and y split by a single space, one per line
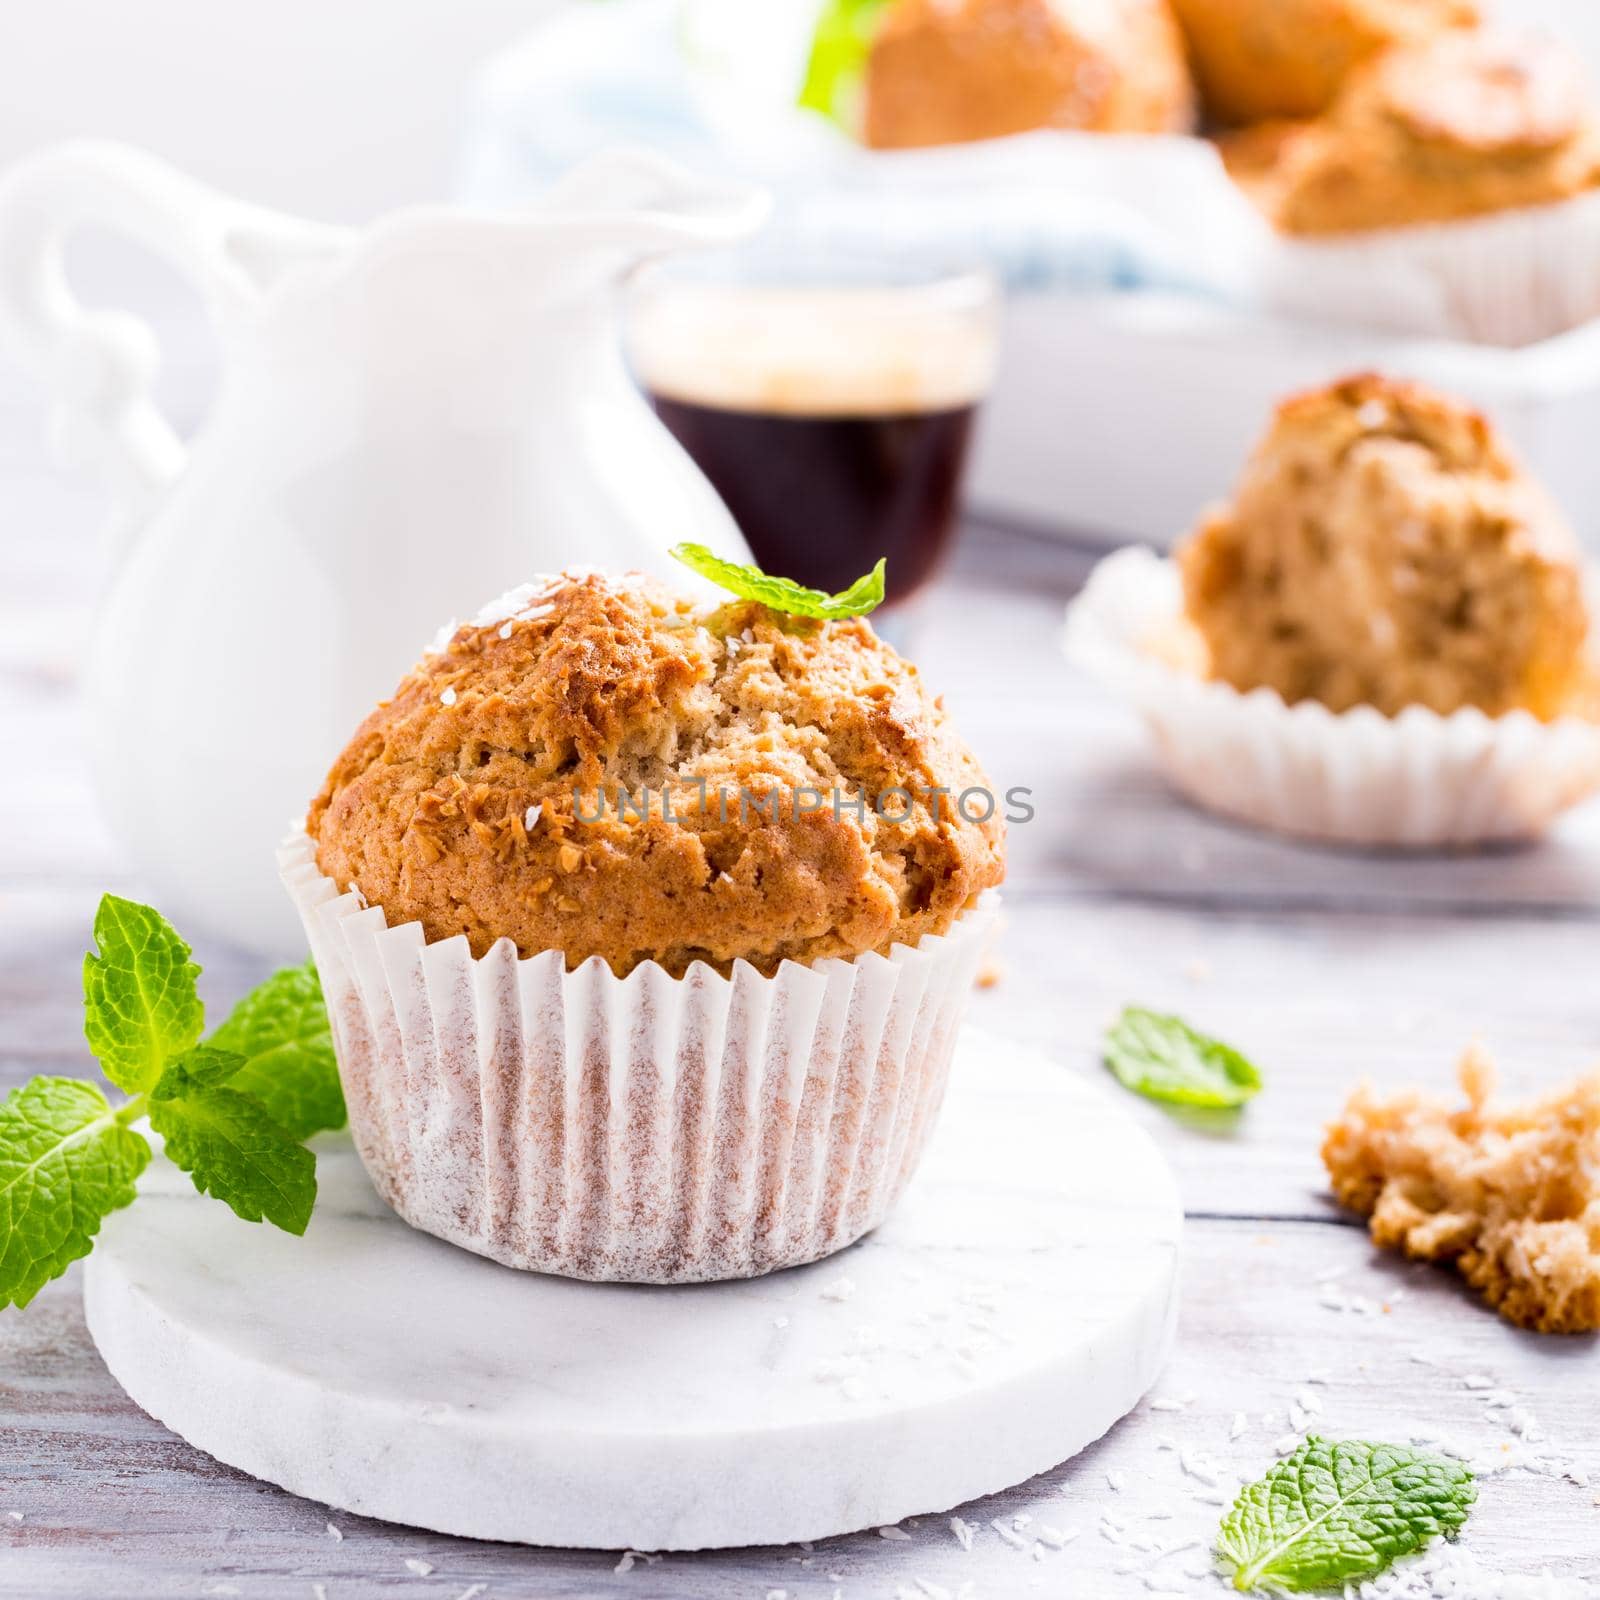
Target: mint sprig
233 1112
1337 1512
783 594
1163 1058
840 46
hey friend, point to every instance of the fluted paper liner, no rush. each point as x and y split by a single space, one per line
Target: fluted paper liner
645 1129
1511 278
1418 780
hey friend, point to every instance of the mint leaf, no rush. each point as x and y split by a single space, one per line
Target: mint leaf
66 1163
1163 1058
1335 1513
783 594
140 1004
204 1067
840 47
232 1149
281 1029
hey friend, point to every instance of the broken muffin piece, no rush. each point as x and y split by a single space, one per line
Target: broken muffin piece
1384 548
1510 1194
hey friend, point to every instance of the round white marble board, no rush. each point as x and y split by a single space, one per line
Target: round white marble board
1018 1303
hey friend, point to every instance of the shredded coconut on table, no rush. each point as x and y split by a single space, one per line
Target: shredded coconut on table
1009 1534
1057 1538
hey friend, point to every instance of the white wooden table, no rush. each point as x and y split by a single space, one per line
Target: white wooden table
1322 966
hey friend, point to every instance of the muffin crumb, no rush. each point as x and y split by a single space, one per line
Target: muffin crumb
1508 1194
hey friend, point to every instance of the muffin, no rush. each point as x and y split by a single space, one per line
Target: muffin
1384 638
646 929
1458 126
1262 59
1384 548
950 71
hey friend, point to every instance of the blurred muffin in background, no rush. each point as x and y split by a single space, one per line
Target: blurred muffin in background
1383 548
1260 59
1459 126
951 71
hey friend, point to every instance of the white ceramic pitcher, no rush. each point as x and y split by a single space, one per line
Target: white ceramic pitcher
411 419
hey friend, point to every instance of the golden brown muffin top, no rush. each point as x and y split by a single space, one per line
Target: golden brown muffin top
1383 547
949 71
757 750
1258 60
1458 126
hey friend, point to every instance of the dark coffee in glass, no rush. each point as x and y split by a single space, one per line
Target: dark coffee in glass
833 422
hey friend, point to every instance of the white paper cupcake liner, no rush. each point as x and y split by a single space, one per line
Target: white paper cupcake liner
1418 780
646 1129
1512 278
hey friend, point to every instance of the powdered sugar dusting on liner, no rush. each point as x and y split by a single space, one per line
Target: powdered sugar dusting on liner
1512 278
1419 780
646 1129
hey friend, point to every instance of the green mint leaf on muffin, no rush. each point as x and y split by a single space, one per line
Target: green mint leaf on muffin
231 1148
140 1003
1163 1058
1339 1512
783 594
233 1111
281 1029
840 46
67 1161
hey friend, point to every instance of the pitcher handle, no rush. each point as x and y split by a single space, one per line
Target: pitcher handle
101 364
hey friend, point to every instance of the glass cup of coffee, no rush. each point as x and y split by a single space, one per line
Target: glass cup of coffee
830 403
